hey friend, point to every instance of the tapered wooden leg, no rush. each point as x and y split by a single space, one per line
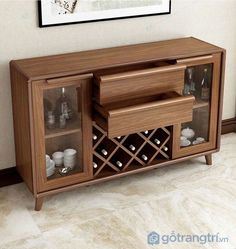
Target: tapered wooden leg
208 159
38 203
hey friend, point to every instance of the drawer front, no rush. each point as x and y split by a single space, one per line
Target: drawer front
139 83
145 116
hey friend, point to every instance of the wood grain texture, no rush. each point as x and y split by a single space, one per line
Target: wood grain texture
38 203
208 159
140 83
145 116
89 61
21 119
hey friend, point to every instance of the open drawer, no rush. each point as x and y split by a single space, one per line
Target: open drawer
129 117
138 82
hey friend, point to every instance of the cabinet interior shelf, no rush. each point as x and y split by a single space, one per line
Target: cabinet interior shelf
71 128
56 175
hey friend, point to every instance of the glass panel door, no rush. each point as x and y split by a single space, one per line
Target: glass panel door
63 131
202 80
198 82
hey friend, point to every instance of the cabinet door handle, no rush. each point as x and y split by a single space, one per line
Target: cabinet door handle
194 59
69 79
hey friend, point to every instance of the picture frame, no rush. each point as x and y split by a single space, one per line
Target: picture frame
64 12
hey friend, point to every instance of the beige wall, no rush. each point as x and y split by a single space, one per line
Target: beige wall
211 20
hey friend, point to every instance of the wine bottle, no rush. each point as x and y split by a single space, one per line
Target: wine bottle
119 137
165 148
190 86
144 157
132 147
146 132
95 137
157 141
64 106
104 152
205 91
119 163
95 165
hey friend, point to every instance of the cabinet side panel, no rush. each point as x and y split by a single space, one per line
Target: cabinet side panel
221 94
21 118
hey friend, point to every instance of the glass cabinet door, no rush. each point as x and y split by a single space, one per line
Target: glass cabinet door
63 155
201 81
63 131
198 82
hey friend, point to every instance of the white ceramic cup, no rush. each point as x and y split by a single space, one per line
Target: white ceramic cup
47 161
51 168
70 158
58 157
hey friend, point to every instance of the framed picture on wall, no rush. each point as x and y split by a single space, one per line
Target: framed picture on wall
61 12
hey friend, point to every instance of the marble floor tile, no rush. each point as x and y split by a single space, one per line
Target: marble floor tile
16 222
29 243
189 198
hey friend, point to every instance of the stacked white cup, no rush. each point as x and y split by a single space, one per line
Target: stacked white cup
50 166
70 158
47 161
58 158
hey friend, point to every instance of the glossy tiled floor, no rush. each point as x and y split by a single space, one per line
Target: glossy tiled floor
188 198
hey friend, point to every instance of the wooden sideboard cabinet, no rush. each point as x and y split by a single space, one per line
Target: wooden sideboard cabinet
119 110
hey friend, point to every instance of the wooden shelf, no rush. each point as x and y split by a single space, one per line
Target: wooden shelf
71 127
56 175
200 104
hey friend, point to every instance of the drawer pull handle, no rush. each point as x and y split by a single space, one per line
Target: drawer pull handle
144 72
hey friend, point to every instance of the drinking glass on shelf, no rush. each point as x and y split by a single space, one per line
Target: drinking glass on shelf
50 121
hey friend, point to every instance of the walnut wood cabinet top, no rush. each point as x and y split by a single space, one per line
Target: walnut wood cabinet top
89 61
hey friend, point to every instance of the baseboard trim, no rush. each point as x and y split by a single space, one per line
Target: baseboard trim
228 126
10 176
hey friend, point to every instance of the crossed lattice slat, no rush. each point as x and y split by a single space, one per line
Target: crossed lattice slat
133 155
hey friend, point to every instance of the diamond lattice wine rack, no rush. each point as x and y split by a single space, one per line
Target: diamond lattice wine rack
130 152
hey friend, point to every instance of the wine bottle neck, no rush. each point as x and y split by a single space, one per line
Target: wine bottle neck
63 92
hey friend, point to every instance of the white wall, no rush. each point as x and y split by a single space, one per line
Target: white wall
211 20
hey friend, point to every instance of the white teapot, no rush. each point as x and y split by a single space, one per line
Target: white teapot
188 133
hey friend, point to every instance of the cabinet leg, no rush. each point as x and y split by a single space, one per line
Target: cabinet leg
208 159
38 203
